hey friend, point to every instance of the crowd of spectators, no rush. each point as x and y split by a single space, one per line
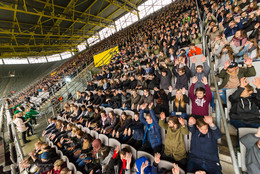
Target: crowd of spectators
161 76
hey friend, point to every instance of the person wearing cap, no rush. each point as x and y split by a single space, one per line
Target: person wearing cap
20 124
232 74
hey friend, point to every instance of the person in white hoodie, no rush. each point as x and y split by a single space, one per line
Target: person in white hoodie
20 124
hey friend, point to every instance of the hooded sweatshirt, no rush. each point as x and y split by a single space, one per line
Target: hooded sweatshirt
245 109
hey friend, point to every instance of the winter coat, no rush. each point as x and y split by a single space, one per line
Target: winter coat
154 134
174 143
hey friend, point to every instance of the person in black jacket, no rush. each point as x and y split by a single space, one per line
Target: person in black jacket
120 131
182 74
136 129
133 82
120 159
245 105
162 102
153 82
115 100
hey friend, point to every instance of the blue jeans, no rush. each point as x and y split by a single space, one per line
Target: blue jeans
106 105
81 162
183 115
126 108
210 167
223 94
237 124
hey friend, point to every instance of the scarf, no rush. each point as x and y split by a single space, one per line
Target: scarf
96 144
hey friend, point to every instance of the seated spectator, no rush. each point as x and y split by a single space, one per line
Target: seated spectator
133 82
140 70
120 131
120 159
147 98
115 100
194 50
103 122
162 102
152 82
215 31
201 99
93 122
252 7
232 28
136 129
238 41
225 55
141 83
152 137
204 146
182 74
112 122
252 143
250 49
165 76
106 154
124 101
58 166
231 75
200 72
174 147
180 101
245 105
143 166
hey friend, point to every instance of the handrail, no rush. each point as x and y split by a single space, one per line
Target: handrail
19 151
218 102
1 117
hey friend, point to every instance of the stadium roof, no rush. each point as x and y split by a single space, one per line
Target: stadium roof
45 27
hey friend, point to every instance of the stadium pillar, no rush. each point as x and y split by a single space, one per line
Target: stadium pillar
115 26
138 15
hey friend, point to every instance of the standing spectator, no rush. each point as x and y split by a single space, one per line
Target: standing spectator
20 125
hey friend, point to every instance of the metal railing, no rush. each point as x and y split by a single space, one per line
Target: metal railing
16 141
220 114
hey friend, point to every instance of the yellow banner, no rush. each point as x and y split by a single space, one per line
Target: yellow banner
104 58
53 73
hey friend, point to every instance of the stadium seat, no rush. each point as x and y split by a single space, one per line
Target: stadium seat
147 155
118 111
108 110
242 132
72 167
128 112
86 130
94 134
168 165
113 142
104 139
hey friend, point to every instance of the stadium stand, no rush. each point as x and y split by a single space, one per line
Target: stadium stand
152 108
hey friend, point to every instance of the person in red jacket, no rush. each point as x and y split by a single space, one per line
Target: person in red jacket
194 50
201 99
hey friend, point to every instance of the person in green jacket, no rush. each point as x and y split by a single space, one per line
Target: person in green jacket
174 149
30 113
232 74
